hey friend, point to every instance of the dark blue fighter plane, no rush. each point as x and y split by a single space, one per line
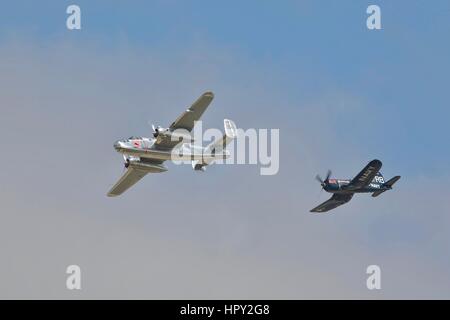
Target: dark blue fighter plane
369 180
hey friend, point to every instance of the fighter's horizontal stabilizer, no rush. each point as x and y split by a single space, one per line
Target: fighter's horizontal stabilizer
391 182
388 185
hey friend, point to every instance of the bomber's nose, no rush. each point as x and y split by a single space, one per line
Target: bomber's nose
117 145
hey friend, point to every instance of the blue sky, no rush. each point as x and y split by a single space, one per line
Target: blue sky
340 94
400 71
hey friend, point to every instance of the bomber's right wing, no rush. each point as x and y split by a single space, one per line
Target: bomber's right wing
335 201
130 177
187 119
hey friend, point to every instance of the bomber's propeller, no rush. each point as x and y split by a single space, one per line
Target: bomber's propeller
155 130
126 163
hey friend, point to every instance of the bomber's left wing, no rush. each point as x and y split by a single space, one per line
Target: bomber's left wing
365 176
335 201
131 176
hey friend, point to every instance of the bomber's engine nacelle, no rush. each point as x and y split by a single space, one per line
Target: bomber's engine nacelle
170 135
158 131
198 166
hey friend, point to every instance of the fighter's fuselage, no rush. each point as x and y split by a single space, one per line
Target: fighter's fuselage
341 186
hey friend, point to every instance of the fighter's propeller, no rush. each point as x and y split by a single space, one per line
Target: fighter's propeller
323 182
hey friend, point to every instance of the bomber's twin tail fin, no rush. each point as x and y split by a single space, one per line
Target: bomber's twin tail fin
219 145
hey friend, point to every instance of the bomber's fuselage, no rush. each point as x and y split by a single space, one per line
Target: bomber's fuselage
146 148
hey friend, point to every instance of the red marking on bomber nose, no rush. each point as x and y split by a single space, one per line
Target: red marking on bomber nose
136 144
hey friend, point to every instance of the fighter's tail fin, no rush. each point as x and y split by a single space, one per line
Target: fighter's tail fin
388 185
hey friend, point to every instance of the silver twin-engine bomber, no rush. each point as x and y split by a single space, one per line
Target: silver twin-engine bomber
147 155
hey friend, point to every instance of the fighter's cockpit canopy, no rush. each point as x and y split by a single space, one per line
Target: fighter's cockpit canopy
134 138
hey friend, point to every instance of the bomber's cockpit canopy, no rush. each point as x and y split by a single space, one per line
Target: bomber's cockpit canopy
134 138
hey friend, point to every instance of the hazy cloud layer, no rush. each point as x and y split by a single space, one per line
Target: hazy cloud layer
227 233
